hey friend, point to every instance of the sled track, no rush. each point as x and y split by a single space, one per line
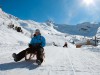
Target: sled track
92 62
89 61
74 73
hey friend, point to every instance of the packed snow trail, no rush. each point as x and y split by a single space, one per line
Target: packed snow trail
58 61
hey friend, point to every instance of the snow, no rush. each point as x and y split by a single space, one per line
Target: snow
83 29
8 36
58 60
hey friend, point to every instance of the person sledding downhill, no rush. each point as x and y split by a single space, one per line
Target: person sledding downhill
35 47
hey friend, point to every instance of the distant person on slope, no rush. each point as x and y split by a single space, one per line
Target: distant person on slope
65 45
36 46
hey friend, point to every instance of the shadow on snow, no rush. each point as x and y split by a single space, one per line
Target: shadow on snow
23 64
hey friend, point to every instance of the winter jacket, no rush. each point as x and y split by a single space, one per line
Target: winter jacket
38 40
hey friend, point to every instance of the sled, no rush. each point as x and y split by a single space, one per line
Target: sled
32 55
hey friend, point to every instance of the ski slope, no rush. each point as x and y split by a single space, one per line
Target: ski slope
58 61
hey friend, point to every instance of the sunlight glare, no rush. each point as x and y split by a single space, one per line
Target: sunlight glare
88 2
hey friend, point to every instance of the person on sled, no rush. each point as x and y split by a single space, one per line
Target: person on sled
36 46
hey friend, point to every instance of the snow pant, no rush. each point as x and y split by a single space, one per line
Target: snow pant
38 51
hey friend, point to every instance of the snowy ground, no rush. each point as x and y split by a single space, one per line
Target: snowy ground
58 61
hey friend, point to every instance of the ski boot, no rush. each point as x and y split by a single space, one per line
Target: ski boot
38 62
14 55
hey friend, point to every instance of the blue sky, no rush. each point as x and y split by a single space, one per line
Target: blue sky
60 11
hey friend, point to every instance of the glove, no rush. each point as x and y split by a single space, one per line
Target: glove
38 45
34 35
30 46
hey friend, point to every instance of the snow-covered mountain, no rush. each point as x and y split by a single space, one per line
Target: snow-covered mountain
9 34
85 29
51 31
